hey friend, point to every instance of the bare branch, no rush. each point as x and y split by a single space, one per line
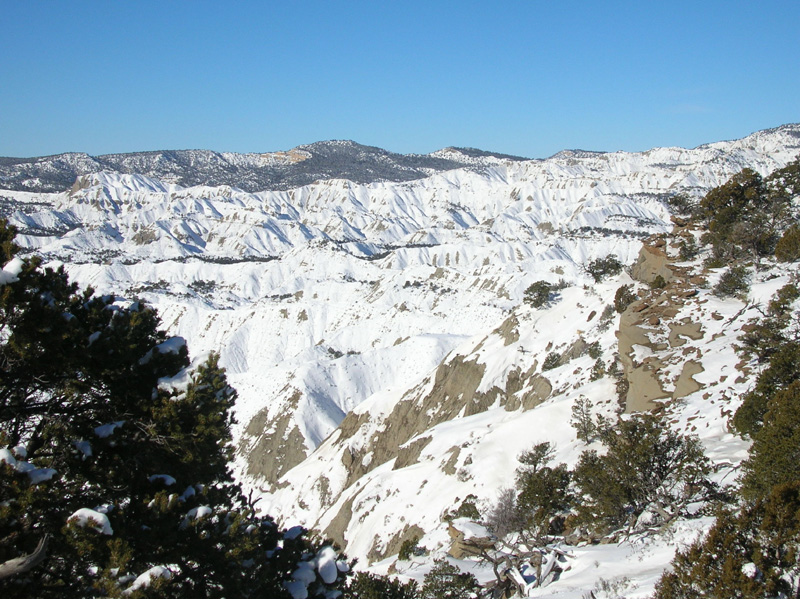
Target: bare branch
21 564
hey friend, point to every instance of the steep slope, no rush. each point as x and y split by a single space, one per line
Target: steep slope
375 333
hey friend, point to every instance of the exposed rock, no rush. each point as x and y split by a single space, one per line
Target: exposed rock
380 551
685 328
409 454
651 263
686 383
644 387
335 530
461 547
508 330
272 447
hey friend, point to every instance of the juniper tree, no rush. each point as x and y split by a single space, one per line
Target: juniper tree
114 457
646 467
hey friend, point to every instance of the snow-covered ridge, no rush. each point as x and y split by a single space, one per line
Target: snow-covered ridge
251 172
333 301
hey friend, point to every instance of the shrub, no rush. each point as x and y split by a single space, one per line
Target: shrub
551 361
408 548
752 553
504 517
598 370
647 467
538 294
601 268
370 586
467 509
658 282
446 581
583 420
542 492
681 204
788 247
775 453
623 298
733 282
688 249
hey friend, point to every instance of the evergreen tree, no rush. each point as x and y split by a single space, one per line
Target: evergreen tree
446 581
775 453
370 586
542 493
646 467
114 476
538 294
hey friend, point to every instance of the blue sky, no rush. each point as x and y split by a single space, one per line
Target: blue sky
527 78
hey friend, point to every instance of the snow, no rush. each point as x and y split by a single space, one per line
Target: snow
338 298
326 565
166 479
35 475
145 579
86 517
106 430
10 272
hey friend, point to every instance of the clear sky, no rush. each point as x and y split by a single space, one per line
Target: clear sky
527 78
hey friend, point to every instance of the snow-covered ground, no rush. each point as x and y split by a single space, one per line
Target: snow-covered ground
339 303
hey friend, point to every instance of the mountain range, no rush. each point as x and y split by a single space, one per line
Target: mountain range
249 172
369 310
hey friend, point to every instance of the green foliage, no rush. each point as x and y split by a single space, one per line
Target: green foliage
733 282
775 453
594 350
658 282
788 247
542 492
783 369
370 586
623 298
766 336
92 421
750 554
647 467
681 204
746 215
771 340
538 294
687 248
446 581
598 370
583 419
408 548
551 361
467 509
601 268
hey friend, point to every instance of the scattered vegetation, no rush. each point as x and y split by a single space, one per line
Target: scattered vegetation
688 248
602 268
746 217
734 282
538 294
108 473
409 549
788 247
370 586
446 581
551 361
752 549
646 468
623 298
